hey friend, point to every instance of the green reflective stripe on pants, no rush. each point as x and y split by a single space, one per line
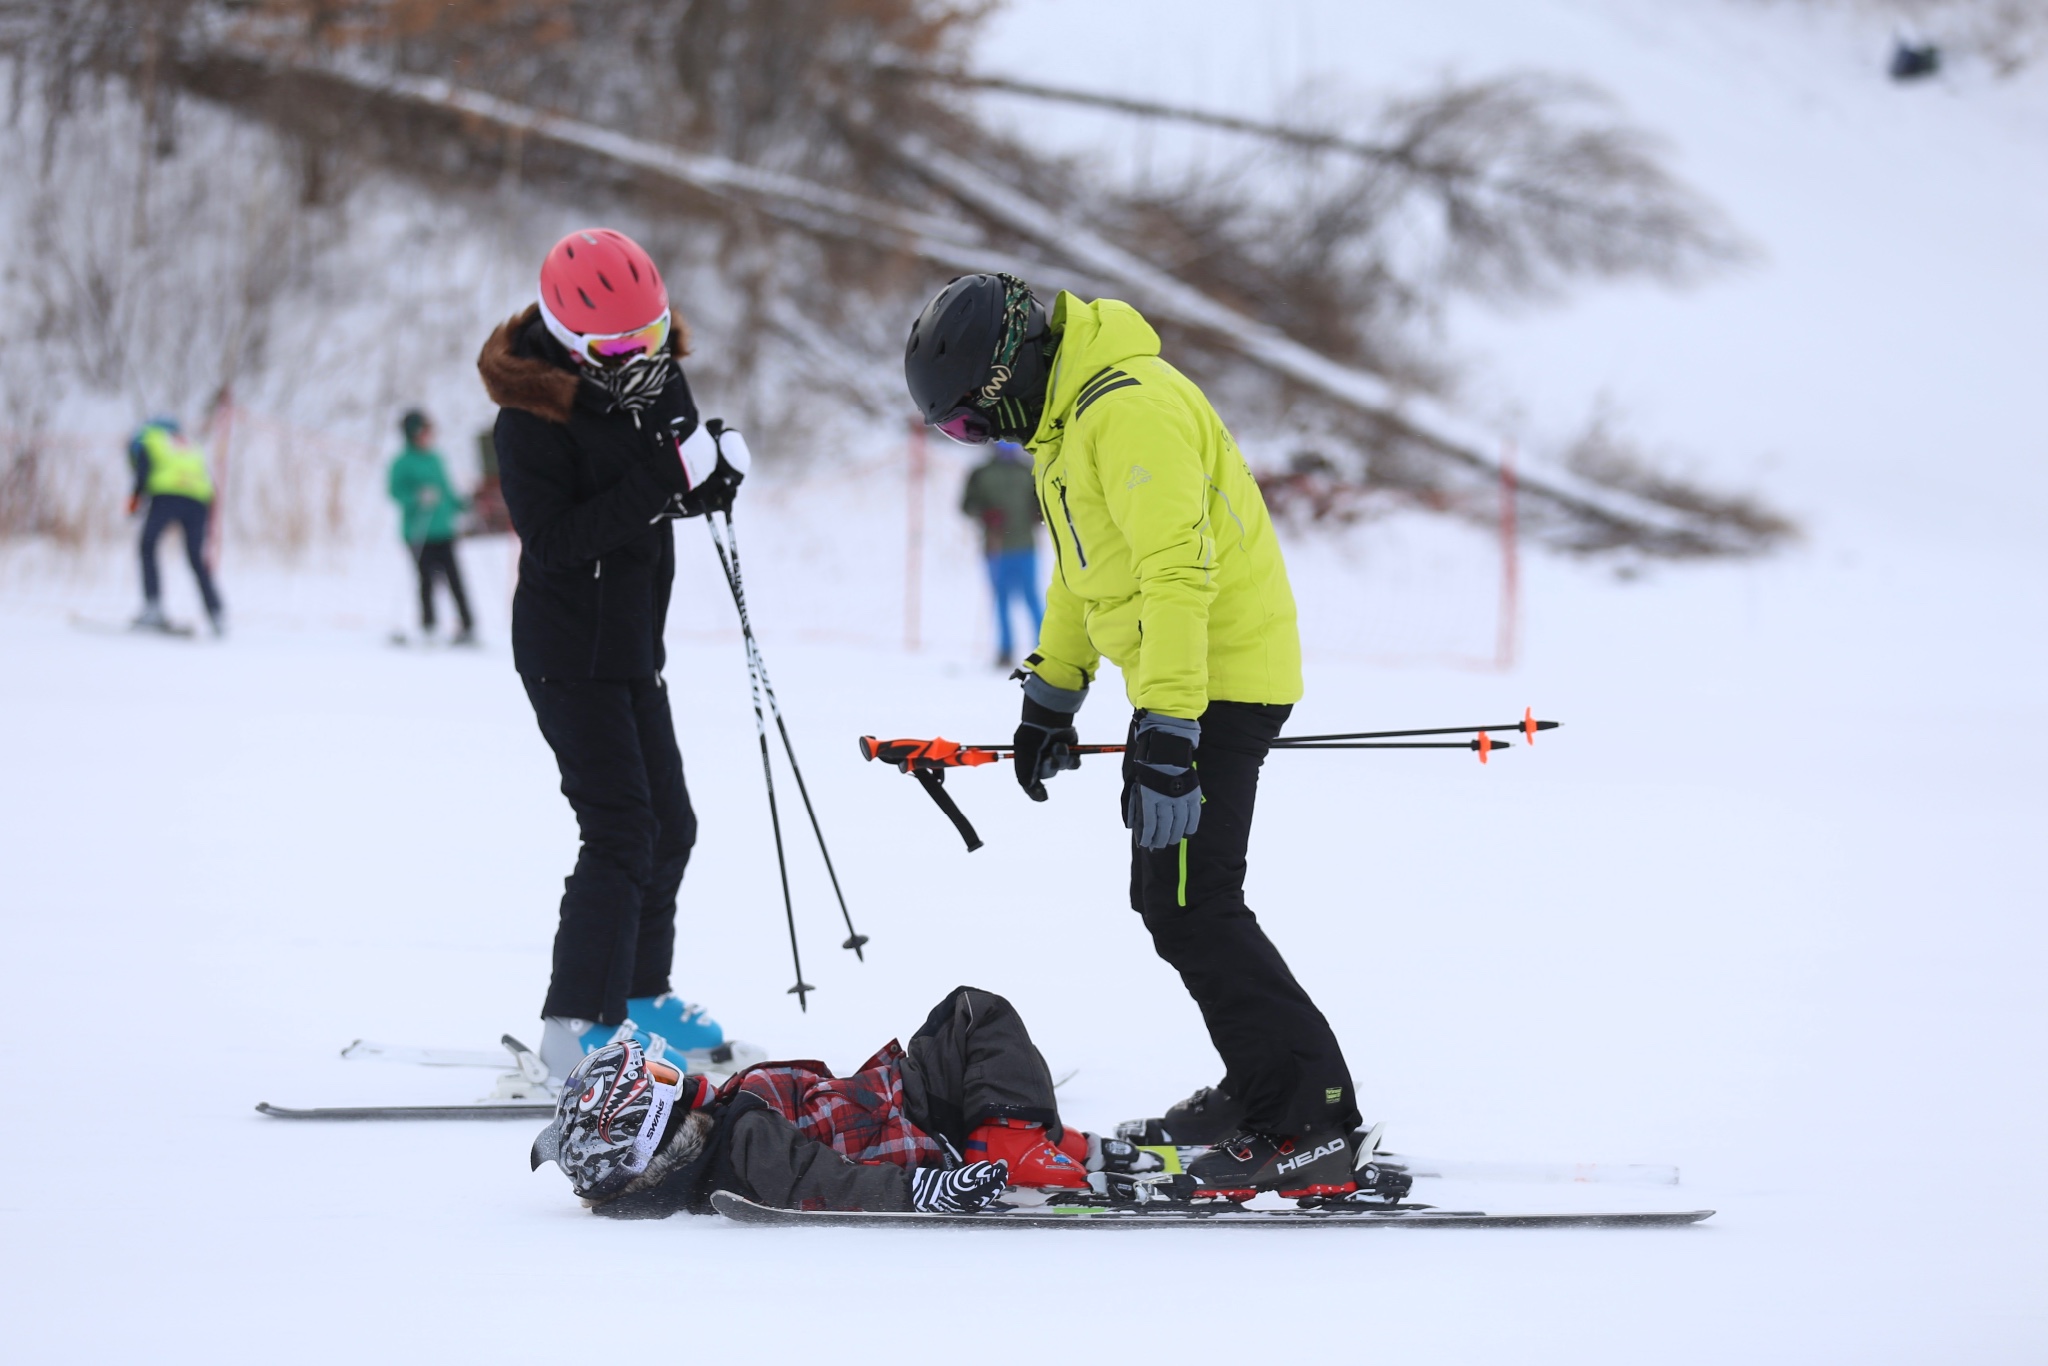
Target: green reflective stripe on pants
1183 872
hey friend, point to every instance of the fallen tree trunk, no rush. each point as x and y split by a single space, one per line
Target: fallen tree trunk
1597 516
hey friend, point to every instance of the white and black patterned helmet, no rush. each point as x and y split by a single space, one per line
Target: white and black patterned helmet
610 1118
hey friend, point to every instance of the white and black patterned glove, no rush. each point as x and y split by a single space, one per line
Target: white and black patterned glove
713 460
961 1190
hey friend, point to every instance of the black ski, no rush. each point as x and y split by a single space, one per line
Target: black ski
481 1110
744 1211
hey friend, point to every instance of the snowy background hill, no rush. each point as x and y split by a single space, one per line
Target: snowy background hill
1766 907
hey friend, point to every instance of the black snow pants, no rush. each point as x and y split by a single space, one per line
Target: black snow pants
436 559
615 744
189 516
972 1061
1281 1061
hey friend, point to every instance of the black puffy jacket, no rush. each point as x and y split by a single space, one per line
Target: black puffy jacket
587 488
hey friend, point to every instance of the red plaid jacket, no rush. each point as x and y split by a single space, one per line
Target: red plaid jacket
860 1117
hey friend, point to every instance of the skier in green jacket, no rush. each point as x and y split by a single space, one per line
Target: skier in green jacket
429 507
1002 499
1166 564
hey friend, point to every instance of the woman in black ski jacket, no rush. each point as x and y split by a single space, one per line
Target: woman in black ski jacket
599 447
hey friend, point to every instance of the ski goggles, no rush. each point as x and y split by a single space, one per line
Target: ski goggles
968 425
618 348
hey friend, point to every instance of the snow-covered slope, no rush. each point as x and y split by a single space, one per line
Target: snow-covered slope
1768 907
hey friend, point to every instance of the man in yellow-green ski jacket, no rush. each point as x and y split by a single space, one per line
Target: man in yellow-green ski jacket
1167 565
172 483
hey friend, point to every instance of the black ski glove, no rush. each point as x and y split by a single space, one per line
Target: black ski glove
962 1190
1045 734
1162 792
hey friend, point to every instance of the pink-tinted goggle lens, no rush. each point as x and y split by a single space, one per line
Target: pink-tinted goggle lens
645 341
969 428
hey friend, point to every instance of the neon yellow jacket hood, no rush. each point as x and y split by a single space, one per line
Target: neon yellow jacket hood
1167 563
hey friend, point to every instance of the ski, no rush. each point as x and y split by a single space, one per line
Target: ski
173 630
1441 1168
523 1091
744 1211
725 1059
1457 1169
479 1110
1598 1173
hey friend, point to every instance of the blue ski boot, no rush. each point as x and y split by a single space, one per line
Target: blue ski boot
686 1027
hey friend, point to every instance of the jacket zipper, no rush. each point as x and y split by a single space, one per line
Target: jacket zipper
1072 530
597 635
1059 557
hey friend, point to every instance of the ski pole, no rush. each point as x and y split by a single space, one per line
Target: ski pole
1528 725
802 988
928 760
759 664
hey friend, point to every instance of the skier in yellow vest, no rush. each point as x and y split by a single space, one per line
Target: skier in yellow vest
1166 564
170 474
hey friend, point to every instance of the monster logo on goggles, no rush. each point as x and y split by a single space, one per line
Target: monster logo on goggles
982 416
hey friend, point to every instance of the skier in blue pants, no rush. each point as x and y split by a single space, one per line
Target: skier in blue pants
1000 496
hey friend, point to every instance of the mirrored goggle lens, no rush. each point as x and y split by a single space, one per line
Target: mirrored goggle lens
968 427
644 341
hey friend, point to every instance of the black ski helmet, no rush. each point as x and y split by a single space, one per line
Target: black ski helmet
976 359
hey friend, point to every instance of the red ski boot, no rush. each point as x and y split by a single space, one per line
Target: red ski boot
1032 1157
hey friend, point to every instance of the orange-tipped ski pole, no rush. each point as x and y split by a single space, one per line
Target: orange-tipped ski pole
928 760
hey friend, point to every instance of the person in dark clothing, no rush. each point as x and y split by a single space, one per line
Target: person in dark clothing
1276 1047
170 474
942 1126
429 508
1001 497
599 447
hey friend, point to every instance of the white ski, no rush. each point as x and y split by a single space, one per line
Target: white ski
723 1060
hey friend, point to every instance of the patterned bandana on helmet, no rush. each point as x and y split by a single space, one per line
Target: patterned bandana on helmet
611 1117
1009 412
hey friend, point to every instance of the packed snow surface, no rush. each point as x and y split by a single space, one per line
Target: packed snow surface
1767 907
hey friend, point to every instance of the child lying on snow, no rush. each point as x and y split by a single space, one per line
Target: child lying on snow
942 1127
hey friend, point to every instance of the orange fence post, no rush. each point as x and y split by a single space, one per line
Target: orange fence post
913 550
222 423
1510 565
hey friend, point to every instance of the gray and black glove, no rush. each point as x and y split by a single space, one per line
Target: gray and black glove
1045 735
1162 792
961 1190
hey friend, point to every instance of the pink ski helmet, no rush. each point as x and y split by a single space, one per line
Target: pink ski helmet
602 298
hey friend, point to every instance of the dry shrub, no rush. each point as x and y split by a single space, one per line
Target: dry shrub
1350 237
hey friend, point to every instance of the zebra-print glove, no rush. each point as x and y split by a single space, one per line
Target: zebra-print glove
962 1190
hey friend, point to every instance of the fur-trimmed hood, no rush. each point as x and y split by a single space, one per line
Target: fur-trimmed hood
518 374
